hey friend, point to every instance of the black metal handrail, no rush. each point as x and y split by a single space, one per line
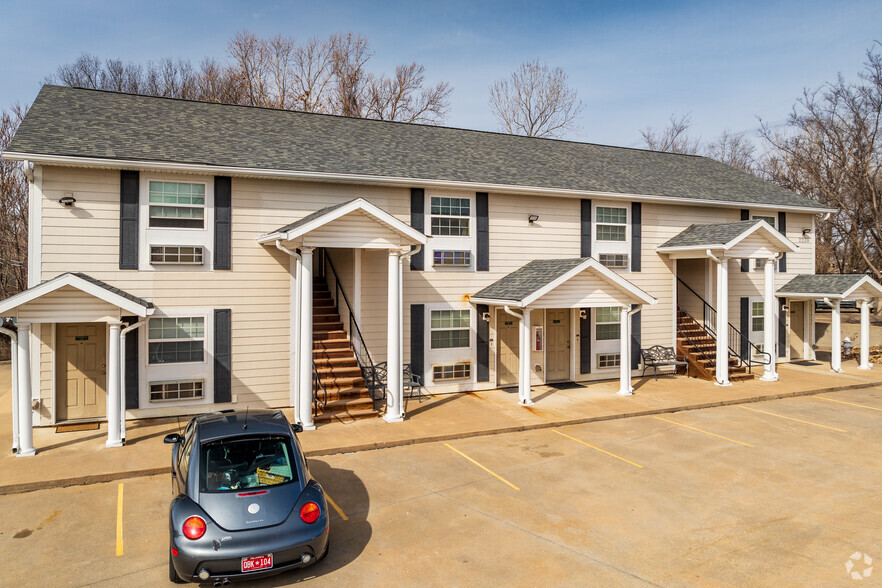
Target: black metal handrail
735 339
695 344
316 386
356 339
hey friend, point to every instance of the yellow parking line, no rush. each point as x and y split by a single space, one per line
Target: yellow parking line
848 403
705 432
495 475
597 448
781 416
119 517
337 508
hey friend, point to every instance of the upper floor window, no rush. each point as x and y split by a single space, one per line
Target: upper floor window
768 219
177 204
176 339
450 328
450 216
612 224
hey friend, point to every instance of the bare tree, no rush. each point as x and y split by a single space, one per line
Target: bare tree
536 101
313 61
350 55
831 151
403 98
251 66
674 138
13 211
733 149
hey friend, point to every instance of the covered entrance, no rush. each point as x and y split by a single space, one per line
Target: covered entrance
798 329
557 353
81 371
507 362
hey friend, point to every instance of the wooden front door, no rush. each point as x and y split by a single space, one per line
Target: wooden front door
507 335
557 354
81 371
797 330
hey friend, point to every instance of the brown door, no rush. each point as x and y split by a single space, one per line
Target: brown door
797 329
507 334
557 354
81 371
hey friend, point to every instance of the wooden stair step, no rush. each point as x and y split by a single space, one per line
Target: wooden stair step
342 361
348 416
326 344
342 382
338 371
329 334
347 404
332 353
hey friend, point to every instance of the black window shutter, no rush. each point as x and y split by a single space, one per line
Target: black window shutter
129 185
746 315
585 340
482 212
483 343
131 367
418 221
782 228
745 263
223 202
586 232
636 235
417 339
223 363
782 329
635 340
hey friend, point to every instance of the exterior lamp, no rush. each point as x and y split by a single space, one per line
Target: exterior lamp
67 200
533 218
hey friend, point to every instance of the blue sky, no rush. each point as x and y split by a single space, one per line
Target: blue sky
633 63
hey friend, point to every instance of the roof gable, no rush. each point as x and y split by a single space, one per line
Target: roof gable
726 236
830 286
84 283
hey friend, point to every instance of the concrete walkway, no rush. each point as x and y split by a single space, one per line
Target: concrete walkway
66 459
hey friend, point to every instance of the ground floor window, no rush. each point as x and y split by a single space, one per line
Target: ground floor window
757 316
608 360
177 390
450 328
608 323
176 340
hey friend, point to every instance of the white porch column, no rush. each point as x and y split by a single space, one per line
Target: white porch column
25 413
13 348
526 357
114 402
305 367
625 353
296 271
394 367
722 327
835 338
769 322
865 335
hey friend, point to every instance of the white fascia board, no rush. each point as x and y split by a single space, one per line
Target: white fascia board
865 281
359 204
697 248
809 295
390 181
495 301
604 272
63 280
770 232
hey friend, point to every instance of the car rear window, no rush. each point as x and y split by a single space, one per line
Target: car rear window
228 465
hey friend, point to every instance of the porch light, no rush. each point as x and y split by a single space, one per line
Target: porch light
533 218
67 200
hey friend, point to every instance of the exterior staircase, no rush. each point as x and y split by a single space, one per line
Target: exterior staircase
348 396
700 350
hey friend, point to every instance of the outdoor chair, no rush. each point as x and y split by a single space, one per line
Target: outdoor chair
659 356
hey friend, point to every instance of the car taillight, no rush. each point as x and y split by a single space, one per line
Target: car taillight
194 528
309 512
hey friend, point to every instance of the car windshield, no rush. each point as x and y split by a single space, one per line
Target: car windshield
246 462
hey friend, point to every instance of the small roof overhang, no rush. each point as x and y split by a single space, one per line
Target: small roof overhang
832 286
725 238
101 290
531 282
299 229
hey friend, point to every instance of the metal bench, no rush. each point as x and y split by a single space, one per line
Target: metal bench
659 356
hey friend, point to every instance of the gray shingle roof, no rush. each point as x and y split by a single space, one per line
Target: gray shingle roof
113 289
522 282
75 122
821 283
311 217
709 235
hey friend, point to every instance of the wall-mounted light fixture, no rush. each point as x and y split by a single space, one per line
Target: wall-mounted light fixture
67 199
485 316
533 218
806 232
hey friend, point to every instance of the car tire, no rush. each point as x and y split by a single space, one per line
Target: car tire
172 572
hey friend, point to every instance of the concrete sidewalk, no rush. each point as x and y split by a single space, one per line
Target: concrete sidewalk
66 459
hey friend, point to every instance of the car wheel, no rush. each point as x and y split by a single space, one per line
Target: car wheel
172 572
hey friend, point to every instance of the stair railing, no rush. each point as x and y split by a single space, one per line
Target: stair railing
747 353
356 339
317 401
695 344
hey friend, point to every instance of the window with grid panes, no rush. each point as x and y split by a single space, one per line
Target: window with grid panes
176 205
450 216
450 328
455 371
176 340
607 325
611 223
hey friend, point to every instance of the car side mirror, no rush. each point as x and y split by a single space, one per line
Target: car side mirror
297 428
172 438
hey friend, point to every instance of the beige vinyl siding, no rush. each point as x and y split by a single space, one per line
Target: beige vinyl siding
68 304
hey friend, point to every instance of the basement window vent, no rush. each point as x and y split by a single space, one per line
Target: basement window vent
608 360
176 254
452 258
455 371
177 390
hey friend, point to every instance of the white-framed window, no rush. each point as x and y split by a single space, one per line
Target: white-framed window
450 329
609 360
614 260
611 234
176 204
176 390
757 317
768 219
176 254
454 371
452 224
607 325
176 339
612 223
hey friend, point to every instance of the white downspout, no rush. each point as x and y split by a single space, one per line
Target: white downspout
14 368
122 376
835 336
294 331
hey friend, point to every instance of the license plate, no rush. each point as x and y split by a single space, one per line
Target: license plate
258 562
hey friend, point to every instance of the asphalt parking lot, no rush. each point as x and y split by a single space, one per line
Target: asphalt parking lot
781 492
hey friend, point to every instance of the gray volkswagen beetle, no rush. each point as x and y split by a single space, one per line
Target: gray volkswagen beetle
245 504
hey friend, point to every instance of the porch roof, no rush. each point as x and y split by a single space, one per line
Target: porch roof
838 286
541 276
298 229
725 236
85 283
